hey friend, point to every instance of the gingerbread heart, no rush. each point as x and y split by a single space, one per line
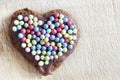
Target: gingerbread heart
44 40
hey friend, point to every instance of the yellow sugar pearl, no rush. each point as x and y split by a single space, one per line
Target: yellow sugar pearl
27 40
29 36
59 44
35 23
16 22
66 35
65 49
30 16
46 62
60 53
43 52
29 44
70 37
42 57
56 56
46 39
52 44
63 32
42 42
26 25
60 21
71 42
34 42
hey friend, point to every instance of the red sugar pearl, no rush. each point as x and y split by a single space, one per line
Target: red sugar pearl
59 29
56 15
54 31
66 40
23 39
23 31
31 27
55 48
38 33
47 44
28 30
61 25
69 23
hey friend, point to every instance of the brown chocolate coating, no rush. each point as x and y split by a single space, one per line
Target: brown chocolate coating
53 65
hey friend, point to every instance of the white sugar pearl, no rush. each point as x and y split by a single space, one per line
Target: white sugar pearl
40 63
37 57
33 53
23 45
14 28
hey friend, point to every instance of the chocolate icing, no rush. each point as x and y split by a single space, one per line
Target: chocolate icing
53 65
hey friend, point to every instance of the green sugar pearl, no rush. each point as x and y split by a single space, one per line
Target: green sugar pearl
43 52
42 57
47 58
52 26
20 17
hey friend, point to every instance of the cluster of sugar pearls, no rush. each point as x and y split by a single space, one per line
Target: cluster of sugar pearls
45 40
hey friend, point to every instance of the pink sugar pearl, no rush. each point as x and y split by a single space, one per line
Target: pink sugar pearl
54 31
23 39
38 33
28 31
55 48
27 49
51 57
26 18
59 35
56 15
37 57
47 44
66 40
47 35
23 31
56 20
32 32
61 25
49 22
59 29
31 27
69 23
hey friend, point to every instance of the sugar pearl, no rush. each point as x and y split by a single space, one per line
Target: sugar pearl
37 57
38 51
26 18
38 46
30 21
52 26
23 39
47 58
40 63
51 57
46 62
35 19
51 18
21 22
64 49
33 47
33 53
20 35
56 15
14 28
70 46
69 23
56 56
23 45
42 57
16 22
20 17
61 16
27 49
31 16
60 53
49 22
40 22
54 31
23 31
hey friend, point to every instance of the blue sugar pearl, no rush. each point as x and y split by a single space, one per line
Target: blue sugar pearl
64 44
57 24
57 39
36 29
19 27
52 37
50 48
51 18
66 27
70 46
45 26
43 31
61 40
20 35
72 26
60 49
53 53
65 19
38 46
33 47
33 36
43 48
37 39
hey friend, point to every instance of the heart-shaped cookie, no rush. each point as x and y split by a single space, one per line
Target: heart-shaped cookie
44 40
